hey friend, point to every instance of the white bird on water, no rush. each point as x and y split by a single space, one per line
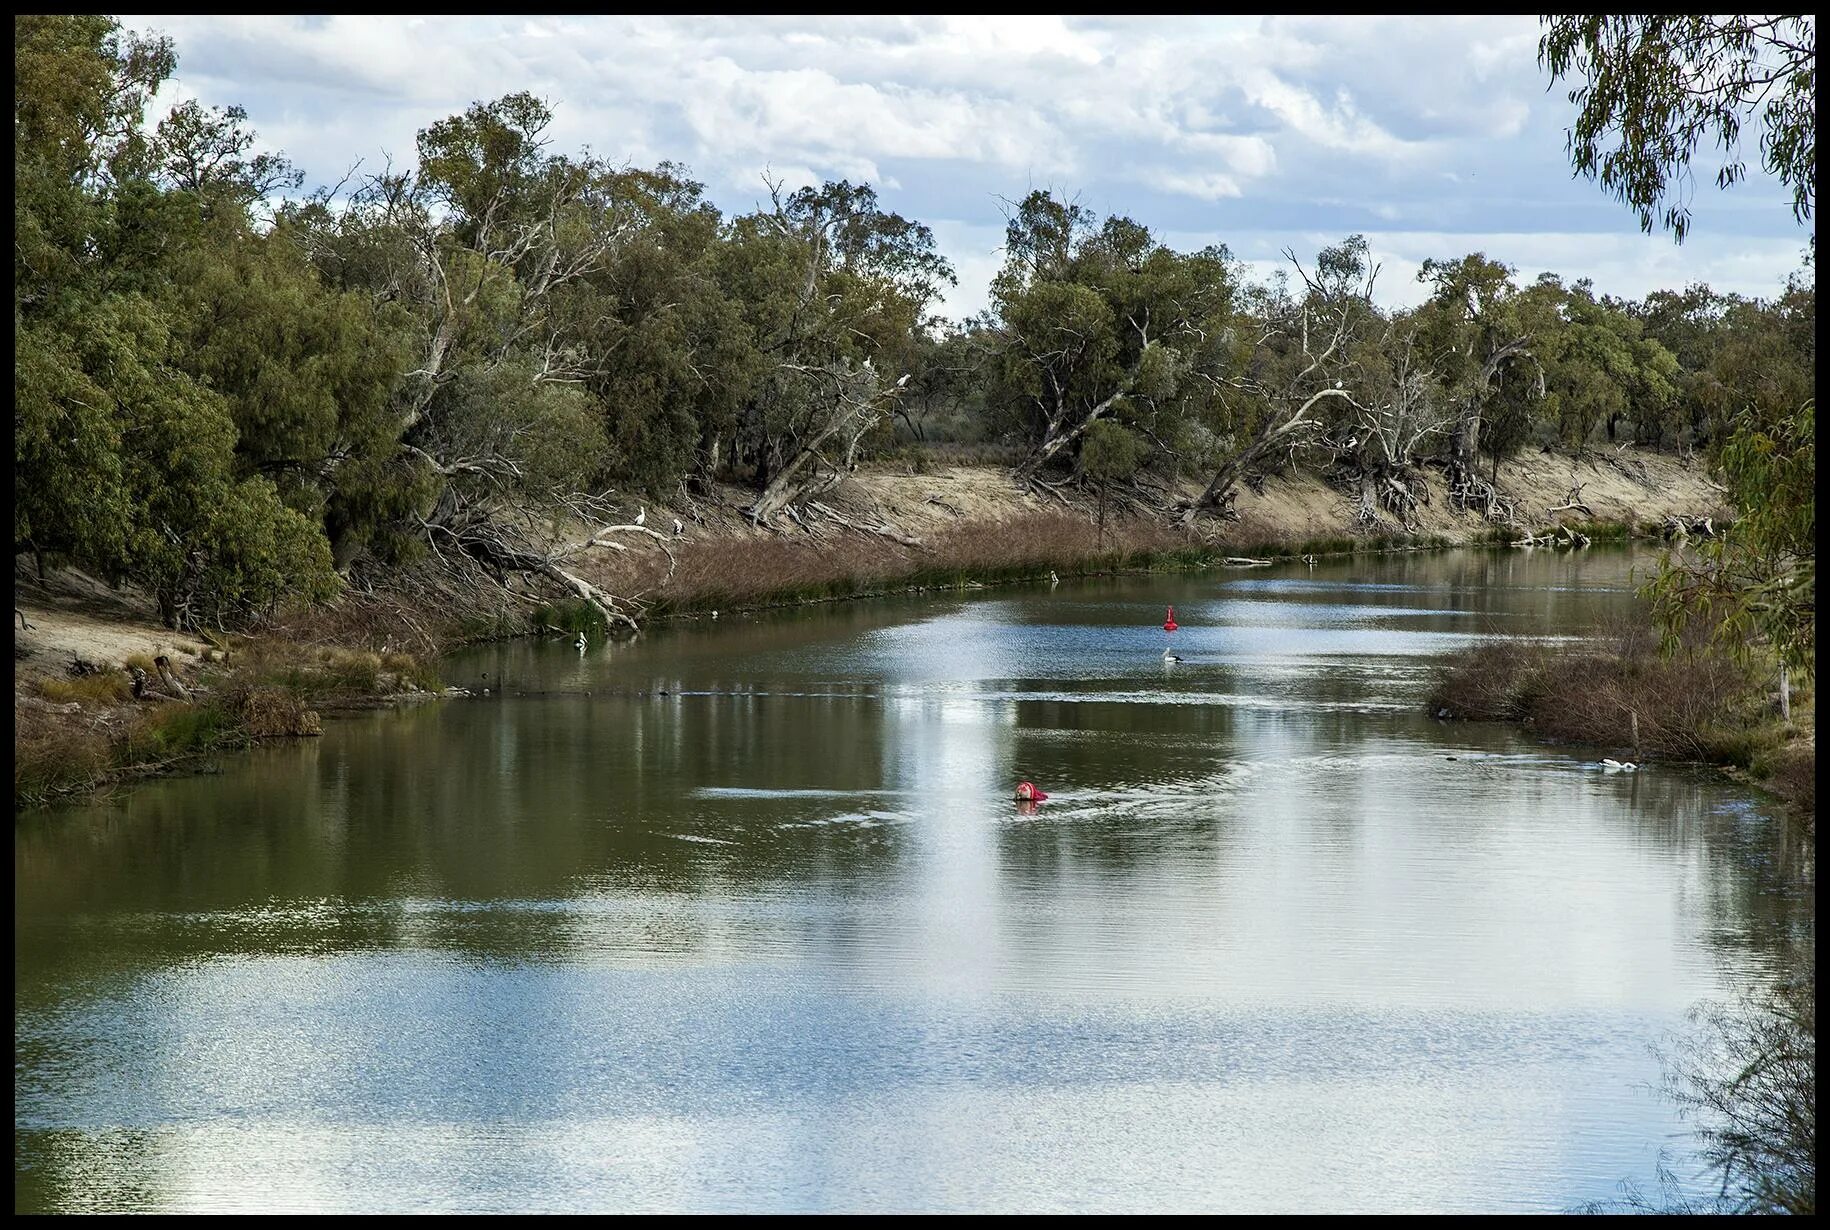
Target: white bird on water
581 644
1171 656
1615 766
641 516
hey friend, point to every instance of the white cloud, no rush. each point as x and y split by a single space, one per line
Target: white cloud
1207 185
1252 131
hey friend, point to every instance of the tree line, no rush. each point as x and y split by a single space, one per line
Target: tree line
234 393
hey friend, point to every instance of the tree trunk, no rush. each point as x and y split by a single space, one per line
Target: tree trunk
1055 439
169 677
1465 444
1272 435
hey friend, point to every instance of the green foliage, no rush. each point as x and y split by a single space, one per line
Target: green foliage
201 150
576 616
1654 87
1756 586
1093 324
1110 452
80 87
1603 369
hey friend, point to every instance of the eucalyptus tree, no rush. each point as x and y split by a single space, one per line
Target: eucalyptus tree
1482 333
678 359
1604 369
1756 586
1090 322
1297 368
834 291
125 453
210 152
485 253
1653 88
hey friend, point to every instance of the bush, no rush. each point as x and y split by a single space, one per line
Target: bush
265 712
1792 775
1695 705
173 730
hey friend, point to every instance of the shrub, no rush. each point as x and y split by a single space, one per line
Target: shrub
1696 705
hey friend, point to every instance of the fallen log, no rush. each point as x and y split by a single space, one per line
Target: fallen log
169 677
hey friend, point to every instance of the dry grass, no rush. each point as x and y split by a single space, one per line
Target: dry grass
329 674
102 688
736 571
1694 705
1793 776
266 712
55 752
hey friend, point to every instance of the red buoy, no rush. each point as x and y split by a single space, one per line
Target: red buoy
1027 793
1169 621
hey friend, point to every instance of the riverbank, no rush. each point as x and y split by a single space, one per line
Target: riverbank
78 726
1634 704
885 530
103 696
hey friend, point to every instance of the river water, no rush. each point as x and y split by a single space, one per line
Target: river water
742 916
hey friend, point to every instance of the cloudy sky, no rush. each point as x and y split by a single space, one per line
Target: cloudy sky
1431 136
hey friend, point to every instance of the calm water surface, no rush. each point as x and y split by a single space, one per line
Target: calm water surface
740 916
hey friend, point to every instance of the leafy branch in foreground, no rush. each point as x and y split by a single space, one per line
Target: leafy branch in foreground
1654 86
1756 586
1748 1080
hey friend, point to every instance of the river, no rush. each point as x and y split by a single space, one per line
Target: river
741 916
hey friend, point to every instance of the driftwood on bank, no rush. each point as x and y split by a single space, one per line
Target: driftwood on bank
1679 526
1561 536
1573 502
169 677
142 687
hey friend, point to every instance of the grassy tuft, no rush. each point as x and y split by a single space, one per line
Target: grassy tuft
103 688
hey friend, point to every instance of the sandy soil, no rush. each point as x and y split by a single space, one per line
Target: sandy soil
75 615
1303 506
1630 484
